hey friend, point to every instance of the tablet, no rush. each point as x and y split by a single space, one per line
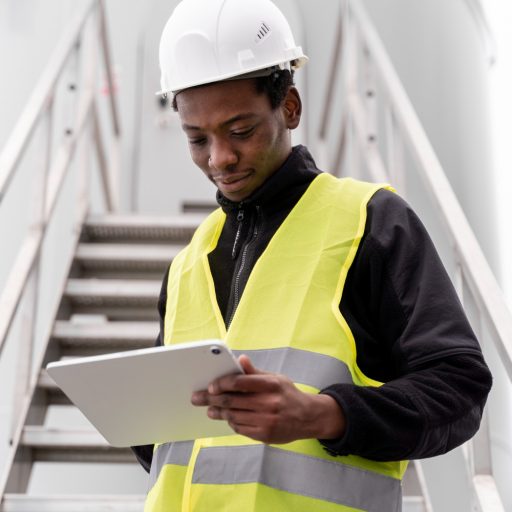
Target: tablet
143 396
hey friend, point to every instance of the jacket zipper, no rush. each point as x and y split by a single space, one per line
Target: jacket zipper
240 219
243 261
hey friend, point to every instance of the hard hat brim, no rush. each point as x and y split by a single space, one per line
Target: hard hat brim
250 73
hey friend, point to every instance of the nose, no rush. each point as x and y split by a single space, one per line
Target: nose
222 156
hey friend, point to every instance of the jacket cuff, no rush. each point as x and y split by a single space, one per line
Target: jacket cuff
336 446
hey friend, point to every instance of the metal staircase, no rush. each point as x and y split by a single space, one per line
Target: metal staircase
82 283
108 305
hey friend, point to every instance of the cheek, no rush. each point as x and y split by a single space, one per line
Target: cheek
201 161
199 157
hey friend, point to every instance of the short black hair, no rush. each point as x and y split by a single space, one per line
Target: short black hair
275 86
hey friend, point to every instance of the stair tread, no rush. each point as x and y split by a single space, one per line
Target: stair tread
43 437
124 502
113 288
71 331
72 503
136 227
100 252
82 445
414 504
129 220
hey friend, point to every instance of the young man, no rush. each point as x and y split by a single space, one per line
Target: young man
357 354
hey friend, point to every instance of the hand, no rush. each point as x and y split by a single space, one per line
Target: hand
268 407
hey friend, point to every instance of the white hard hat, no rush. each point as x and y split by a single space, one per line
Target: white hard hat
207 41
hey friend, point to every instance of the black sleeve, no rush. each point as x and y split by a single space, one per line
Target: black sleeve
412 334
144 453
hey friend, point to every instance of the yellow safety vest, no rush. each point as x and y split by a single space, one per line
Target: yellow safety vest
288 321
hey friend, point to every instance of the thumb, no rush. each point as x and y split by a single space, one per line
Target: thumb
247 366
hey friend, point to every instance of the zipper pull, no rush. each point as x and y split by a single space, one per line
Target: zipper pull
240 219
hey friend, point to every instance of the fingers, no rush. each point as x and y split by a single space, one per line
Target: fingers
247 366
254 383
226 401
248 423
260 427
271 403
236 418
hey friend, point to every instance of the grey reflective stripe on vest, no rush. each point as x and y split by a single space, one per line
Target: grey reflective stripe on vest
298 474
291 472
170 453
301 366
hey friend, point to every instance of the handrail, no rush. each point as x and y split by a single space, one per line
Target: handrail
41 96
371 87
19 141
474 264
22 286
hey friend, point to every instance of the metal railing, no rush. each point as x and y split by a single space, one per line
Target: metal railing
71 71
379 134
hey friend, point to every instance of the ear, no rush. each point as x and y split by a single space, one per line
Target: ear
292 108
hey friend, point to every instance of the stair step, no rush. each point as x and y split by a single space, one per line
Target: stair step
190 206
121 503
71 445
105 337
99 291
41 437
73 503
113 297
414 504
141 229
125 258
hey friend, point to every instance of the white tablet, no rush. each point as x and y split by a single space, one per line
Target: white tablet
143 396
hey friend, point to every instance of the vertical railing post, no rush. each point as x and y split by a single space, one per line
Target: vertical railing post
458 277
395 152
340 159
351 89
337 57
369 93
88 62
114 164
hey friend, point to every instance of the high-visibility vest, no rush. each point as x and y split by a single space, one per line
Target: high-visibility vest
288 321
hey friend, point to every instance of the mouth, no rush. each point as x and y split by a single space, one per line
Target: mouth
232 182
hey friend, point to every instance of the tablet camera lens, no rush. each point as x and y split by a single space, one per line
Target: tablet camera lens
215 350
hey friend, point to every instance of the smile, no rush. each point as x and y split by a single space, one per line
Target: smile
231 178
232 182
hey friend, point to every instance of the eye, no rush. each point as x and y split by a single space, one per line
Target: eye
242 134
200 141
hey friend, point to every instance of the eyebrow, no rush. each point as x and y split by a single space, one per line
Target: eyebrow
234 119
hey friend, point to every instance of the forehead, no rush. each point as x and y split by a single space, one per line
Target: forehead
214 104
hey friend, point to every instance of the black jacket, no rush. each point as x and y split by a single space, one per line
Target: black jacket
408 324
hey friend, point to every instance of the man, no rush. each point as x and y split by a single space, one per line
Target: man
357 354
